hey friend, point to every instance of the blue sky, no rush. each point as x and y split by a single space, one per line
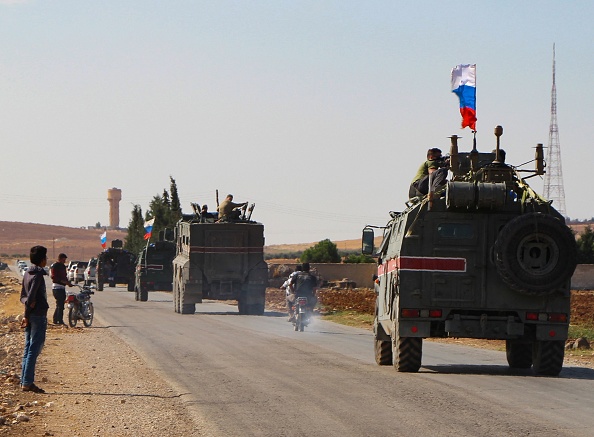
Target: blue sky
320 112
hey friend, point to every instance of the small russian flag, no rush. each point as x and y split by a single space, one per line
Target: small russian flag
104 239
148 228
464 85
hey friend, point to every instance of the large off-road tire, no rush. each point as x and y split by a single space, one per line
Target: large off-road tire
383 352
112 284
143 294
256 309
382 345
91 313
547 357
188 308
131 284
99 286
407 353
72 319
519 354
242 307
535 254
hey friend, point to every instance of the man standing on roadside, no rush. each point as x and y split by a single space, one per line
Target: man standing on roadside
34 297
59 282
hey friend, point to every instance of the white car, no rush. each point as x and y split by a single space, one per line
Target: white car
91 271
22 266
70 270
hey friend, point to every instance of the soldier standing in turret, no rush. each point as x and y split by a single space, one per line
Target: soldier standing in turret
227 209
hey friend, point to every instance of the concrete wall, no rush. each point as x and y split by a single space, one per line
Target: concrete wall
583 278
361 274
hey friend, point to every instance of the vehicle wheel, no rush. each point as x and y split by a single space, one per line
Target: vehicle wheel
383 352
383 348
519 354
547 357
72 317
242 307
535 254
143 294
99 286
131 285
90 313
112 284
407 353
256 309
188 308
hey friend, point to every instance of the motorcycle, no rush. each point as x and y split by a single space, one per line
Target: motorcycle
80 307
302 313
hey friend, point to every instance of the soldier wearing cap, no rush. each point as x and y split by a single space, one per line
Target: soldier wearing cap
59 282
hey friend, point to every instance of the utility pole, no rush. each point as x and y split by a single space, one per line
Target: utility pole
553 180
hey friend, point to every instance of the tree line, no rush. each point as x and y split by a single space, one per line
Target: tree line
165 208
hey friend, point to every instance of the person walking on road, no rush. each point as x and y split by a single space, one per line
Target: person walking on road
59 282
34 297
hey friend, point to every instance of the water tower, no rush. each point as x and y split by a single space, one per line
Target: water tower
114 196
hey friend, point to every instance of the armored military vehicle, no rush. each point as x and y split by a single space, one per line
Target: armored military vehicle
220 261
115 266
154 269
482 257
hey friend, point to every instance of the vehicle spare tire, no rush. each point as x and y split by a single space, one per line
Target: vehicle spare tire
535 254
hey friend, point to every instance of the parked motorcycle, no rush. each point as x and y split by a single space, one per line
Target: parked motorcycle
80 307
302 313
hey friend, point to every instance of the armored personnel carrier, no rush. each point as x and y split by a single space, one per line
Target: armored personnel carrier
115 266
220 261
154 269
482 257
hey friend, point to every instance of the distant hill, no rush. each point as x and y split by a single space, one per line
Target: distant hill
77 243
82 244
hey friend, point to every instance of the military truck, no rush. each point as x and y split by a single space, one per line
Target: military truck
220 261
115 266
154 269
483 257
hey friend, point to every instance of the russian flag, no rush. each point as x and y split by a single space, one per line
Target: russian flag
464 85
148 228
104 239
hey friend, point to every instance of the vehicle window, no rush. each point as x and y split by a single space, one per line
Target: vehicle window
455 230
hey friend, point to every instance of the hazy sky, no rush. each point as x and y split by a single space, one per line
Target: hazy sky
319 111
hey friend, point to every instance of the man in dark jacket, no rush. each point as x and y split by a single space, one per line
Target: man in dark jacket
34 297
59 283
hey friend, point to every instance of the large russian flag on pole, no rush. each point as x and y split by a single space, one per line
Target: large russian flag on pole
464 85
148 228
104 239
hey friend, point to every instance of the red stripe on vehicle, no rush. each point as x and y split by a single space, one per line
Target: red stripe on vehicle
206 249
423 264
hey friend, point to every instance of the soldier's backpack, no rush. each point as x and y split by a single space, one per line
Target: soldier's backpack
304 283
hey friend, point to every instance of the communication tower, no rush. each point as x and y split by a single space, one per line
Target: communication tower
553 180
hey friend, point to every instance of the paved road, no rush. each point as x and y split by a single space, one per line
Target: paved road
248 375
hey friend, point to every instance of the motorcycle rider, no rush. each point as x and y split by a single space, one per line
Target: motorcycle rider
59 282
290 293
305 284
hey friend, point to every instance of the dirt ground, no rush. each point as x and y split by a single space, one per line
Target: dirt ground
97 386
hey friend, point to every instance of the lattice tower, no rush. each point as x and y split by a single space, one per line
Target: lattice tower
553 180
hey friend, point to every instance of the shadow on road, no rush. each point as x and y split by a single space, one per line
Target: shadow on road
471 369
